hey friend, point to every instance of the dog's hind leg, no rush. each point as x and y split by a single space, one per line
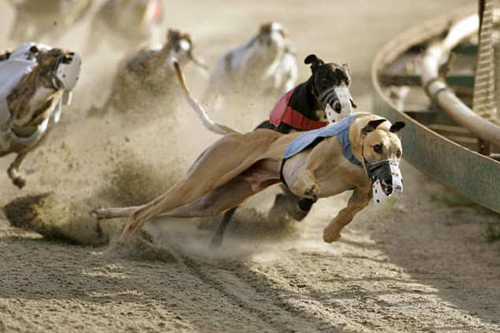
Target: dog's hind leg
221 230
216 201
185 200
288 203
213 203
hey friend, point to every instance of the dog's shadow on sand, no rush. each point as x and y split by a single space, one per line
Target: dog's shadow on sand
193 286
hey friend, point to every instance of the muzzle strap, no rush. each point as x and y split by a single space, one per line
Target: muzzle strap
55 81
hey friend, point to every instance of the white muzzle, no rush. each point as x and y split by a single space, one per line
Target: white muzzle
387 183
68 73
337 103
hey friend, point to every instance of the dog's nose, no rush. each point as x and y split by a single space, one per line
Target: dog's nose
337 107
388 190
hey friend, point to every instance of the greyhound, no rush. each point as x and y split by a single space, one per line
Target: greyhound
359 153
35 80
266 64
149 74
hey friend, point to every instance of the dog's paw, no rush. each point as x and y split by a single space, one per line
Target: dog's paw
19 182
312 192
331 234
331 238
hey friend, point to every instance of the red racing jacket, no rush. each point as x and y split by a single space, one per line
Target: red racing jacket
283 113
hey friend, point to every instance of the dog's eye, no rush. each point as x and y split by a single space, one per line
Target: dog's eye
377 149
398 154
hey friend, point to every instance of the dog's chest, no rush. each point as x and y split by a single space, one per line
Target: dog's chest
341 177
10 142
39 99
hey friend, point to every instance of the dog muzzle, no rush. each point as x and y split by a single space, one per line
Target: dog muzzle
387 183
337 103
67 72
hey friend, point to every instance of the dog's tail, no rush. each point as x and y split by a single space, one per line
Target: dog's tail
202 114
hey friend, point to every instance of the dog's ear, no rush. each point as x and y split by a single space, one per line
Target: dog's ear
188 37
265 28
347 69
397 126
34 49
372 125
347 72
310 59
173 34
314 61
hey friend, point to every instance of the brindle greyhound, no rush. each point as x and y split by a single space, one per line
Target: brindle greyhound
340 157
32 92
149 73
303 112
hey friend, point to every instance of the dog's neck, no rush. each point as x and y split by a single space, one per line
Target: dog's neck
165 53
304 101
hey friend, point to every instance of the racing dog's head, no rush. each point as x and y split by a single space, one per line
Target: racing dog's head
56 70
181 47
272 35
330 84
381 151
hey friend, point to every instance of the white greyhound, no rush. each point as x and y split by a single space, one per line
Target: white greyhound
266 64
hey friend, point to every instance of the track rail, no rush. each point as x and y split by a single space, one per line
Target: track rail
466 172
438 90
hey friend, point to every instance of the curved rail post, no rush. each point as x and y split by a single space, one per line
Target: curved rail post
435 55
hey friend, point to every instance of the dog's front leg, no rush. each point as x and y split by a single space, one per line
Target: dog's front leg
357 202
14 171
306 185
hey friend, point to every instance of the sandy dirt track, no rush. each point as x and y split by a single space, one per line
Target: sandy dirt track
426 267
